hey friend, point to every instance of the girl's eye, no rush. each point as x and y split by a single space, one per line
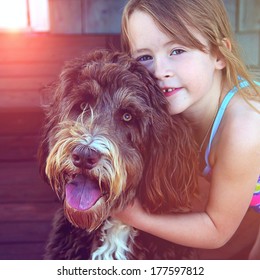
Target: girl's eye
144 58
177 52
127 117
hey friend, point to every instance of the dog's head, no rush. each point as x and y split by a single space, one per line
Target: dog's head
110 138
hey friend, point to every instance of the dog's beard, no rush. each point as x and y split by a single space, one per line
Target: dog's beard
89 195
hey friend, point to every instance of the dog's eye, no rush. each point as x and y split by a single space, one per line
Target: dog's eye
127 117
83 106
79 108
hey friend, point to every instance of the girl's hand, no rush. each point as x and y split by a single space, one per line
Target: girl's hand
132 215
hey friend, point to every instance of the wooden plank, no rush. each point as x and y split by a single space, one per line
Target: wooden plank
40 42
21 183
24 251
31 42
24 232
27 212
20 122
24 83
22 99
36 41
19 173
18 148
46 55
40 192
30 69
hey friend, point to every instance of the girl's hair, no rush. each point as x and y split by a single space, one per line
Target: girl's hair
209 17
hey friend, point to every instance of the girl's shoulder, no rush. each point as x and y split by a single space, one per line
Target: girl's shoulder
238 137
241 123
243 111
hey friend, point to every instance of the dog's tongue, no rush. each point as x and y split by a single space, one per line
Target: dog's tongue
82 193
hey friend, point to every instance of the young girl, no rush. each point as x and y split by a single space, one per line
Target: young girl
189 47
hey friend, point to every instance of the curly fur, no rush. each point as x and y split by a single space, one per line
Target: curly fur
108 125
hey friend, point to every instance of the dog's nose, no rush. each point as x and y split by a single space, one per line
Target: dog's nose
85 157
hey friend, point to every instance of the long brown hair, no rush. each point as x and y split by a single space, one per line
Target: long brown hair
209 17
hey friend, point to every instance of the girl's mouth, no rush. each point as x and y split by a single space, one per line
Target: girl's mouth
170 91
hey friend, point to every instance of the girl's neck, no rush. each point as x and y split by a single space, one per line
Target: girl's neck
204 121
202 116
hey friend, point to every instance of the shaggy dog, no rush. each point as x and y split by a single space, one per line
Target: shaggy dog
109 139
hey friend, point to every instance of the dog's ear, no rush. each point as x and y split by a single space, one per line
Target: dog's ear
170 178
51 101
43 149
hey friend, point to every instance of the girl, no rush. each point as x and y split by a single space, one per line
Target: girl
189 48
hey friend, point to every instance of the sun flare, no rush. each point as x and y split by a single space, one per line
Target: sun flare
13 14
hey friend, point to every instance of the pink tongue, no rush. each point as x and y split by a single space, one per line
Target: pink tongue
82 193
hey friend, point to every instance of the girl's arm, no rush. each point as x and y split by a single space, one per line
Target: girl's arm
236 161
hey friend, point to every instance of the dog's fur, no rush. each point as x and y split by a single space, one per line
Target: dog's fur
109 133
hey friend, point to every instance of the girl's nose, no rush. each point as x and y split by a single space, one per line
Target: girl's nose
162 69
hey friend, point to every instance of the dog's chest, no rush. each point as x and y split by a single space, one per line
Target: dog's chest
116 239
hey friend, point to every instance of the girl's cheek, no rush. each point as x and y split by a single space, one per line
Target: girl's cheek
148 65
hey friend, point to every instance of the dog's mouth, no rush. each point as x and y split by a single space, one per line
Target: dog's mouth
82 192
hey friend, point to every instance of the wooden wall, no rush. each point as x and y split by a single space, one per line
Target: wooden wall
245 19
86 16
27 63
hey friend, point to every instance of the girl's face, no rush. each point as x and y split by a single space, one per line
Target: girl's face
186 76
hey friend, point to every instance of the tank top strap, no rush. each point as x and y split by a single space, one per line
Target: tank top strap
218 120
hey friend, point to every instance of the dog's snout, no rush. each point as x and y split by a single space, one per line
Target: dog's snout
85 157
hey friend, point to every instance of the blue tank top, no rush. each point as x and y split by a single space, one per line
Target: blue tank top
255 203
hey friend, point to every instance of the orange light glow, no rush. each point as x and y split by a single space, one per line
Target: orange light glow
13 14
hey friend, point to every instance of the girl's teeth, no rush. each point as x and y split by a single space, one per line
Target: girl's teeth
168 90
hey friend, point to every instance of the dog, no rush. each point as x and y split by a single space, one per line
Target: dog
108 139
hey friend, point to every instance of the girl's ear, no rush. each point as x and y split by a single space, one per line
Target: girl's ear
220 59
226 42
